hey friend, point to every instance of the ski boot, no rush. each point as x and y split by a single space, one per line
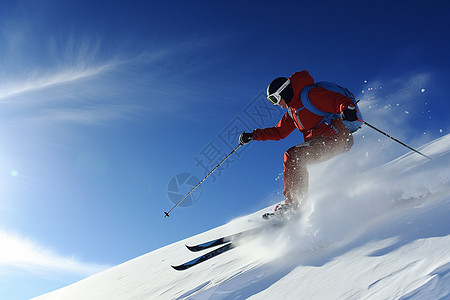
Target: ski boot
282 212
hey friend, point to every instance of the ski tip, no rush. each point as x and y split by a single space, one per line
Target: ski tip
193 248
179 267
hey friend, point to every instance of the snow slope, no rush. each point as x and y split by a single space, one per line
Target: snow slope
385 236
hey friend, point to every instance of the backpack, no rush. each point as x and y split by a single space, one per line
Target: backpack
328 117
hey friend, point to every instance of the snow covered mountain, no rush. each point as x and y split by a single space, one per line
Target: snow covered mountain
385 236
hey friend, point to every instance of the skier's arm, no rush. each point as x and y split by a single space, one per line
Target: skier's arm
329 101
280 131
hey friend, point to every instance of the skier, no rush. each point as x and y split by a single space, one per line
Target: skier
323 138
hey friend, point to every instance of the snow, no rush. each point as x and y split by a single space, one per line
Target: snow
385 236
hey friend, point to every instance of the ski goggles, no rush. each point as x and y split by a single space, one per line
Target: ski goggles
275 98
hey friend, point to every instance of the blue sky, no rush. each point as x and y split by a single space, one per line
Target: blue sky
103 103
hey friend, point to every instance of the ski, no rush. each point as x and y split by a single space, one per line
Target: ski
225 239
204 257
229 242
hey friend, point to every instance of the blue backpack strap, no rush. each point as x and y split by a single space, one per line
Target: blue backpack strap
304 96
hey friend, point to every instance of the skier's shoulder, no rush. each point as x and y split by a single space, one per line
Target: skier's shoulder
299 80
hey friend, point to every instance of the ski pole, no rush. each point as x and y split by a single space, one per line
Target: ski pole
166 214
401 143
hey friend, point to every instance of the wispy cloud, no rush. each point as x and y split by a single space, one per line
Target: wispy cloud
70 75
80 79
87 115
19 254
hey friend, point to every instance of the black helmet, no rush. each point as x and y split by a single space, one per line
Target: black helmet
286 94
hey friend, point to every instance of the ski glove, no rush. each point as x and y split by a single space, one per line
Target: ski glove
245 137
349 114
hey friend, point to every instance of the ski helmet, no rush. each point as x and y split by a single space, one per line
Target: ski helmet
286 94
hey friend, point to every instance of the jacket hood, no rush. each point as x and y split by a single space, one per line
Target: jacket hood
299 80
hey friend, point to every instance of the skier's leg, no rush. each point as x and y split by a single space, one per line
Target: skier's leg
297 159
295 172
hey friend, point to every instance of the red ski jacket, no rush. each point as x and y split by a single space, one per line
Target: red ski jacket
307 122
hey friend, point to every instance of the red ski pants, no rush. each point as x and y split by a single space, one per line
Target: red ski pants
298 158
